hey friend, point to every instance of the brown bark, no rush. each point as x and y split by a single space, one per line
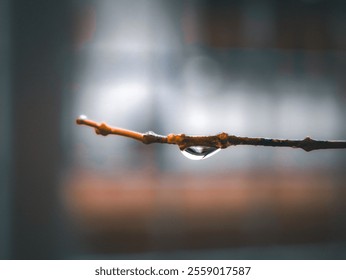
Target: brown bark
222 140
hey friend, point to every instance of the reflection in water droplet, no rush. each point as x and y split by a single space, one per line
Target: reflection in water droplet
199 152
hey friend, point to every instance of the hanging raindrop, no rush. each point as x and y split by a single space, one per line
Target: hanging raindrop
199 152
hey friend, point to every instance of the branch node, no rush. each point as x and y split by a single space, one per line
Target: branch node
223 140
103 129
177 139
307 144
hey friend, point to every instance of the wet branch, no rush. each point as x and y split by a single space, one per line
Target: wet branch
222 140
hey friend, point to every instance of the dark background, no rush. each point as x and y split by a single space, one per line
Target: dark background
250 68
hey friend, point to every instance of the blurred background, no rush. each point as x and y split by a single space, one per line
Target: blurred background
266 68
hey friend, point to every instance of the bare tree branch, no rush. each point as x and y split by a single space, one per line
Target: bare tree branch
222 140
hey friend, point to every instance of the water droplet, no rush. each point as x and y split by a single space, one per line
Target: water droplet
82 117
199 152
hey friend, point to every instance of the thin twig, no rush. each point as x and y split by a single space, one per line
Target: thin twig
222 140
